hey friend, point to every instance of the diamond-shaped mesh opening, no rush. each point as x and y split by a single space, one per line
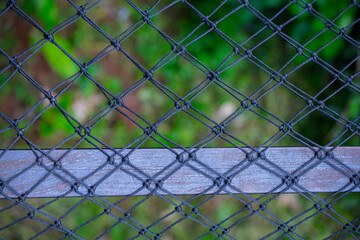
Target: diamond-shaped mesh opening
180 80
16 33
47 127
146 41
247 119
113 17
225 103
179 119
204 51
89 101
319 120
309 70
22 98
72 41
47 14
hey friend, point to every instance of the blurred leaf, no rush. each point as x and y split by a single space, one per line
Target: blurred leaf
48 13
57 60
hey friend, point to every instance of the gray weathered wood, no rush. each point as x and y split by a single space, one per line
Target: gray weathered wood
253 179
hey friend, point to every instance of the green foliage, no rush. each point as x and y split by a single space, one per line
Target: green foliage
58 60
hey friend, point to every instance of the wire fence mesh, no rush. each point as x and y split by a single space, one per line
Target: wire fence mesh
181 76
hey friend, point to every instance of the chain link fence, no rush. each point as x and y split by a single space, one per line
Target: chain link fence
182 107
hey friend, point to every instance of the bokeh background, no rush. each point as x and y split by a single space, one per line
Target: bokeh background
50 68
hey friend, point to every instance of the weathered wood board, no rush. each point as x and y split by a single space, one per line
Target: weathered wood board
192 178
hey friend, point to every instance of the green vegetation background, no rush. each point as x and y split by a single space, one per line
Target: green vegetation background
50 67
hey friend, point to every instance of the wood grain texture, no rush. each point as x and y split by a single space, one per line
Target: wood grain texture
327 175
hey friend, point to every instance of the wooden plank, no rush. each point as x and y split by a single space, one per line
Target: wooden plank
254 177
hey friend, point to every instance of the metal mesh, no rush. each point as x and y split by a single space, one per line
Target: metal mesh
161 213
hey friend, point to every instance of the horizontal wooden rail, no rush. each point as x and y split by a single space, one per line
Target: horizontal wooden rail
20 173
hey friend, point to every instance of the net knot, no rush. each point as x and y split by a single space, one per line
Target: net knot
81 11
57 223
300 51
218 129
20 132
290 180
355 179
213 75
150 130
328 205
22 197
195 210
75 186
255 103
192 156
39 160
159 183
309 7
244 104
15 122
146 17
178 49
248 54
236 50
342 32
283 78
148 74
181 159
310 103
53 101
349 127
111 159
317 206
13 61
262 207
252 156
148 184
91 190
314 57
249 207
273 76
116 102
10 3
116 44
2 185
127 215
31 215
49 37
125 159
330 154
157 236
321 104
286 127
328 25
83 68
178 209
291 229
213 228
107 211
347 226
222 182
57 164
142 232
210 24
281 227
